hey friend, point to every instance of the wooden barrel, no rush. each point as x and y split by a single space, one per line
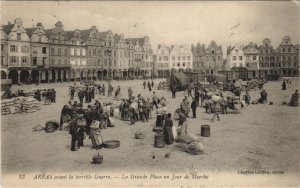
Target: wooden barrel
159 141
205 130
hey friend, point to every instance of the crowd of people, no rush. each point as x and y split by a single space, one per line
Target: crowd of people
46 95
136 108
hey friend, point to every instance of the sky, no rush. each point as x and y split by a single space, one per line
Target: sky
169 22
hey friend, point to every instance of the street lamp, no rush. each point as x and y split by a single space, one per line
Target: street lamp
109 92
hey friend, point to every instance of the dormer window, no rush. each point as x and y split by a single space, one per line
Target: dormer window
18 36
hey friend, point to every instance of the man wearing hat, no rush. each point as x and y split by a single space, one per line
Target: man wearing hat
194 107
77 128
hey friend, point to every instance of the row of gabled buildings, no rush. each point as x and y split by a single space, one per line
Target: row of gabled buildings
52 55
265 61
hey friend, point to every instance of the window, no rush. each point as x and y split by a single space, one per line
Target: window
34 50
59 51
166 58
173 58
78 51
289 49
52 51
254 57
212 51
59 61
188 64
2 60
234 58
72 51
66 61
173 64
44 61
283 49
94 52
183 58
178 58
2 47
34 61
24 60
183 64
44 50
18 36
13 48
13 59
160 58
283 58
178 64
115 54
289 58
115 62
241 57
66 52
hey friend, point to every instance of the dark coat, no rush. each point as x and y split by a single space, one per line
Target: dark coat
194 104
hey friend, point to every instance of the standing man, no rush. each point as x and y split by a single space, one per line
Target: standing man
149 86
129 92
194 107
144 84
215 108
173 90
152 84
77 132
197 96
72 92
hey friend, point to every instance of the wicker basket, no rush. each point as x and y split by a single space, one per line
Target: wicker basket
97 159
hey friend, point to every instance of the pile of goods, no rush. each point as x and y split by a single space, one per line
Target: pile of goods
194 148
19 104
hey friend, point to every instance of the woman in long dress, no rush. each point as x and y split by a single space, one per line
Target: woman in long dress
168 129
96 134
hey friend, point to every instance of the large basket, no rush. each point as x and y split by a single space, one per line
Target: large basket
51 126
111 144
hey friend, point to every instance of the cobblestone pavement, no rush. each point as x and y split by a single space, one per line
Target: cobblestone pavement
261 137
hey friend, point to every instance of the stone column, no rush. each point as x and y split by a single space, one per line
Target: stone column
55 76
40 76
19 77
49 75
30 77
86 75
62 75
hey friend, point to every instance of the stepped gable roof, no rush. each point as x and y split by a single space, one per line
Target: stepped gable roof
117 38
